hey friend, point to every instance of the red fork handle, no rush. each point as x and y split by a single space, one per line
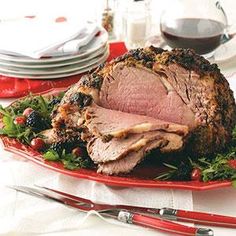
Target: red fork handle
206 218
163 225
198 217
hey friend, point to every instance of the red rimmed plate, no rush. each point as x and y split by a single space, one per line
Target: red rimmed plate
148 172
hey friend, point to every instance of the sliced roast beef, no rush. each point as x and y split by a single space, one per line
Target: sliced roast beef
168 143
108 123
144 92
116 148
126 164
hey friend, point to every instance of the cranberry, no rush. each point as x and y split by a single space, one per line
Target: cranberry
37 144
77 152
196 174
232 163
27 111
20 120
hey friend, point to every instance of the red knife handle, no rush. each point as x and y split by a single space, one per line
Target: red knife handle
163 225
206 218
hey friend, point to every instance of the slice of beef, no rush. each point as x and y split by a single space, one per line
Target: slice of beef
108 123
127 164
100 151
169 143
115 149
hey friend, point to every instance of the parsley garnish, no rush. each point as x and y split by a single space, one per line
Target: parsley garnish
69 160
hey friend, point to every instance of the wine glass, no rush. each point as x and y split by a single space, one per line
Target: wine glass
196 24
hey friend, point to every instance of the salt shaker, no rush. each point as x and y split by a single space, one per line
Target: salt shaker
136 23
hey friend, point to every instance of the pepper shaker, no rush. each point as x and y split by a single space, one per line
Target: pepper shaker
108 19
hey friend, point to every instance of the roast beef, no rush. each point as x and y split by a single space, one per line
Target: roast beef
118 148
126 164
168 143
150 90
115 149
108 123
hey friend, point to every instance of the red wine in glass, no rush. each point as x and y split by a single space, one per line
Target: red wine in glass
202 35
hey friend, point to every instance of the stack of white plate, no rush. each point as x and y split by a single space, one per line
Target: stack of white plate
88 57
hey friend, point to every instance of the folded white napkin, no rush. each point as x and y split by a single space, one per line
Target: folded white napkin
81 40
36 37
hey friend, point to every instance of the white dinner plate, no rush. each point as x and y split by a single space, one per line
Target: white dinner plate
57 70
57 75
100 51
96 43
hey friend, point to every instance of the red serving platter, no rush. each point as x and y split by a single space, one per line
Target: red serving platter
142 176
18 148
